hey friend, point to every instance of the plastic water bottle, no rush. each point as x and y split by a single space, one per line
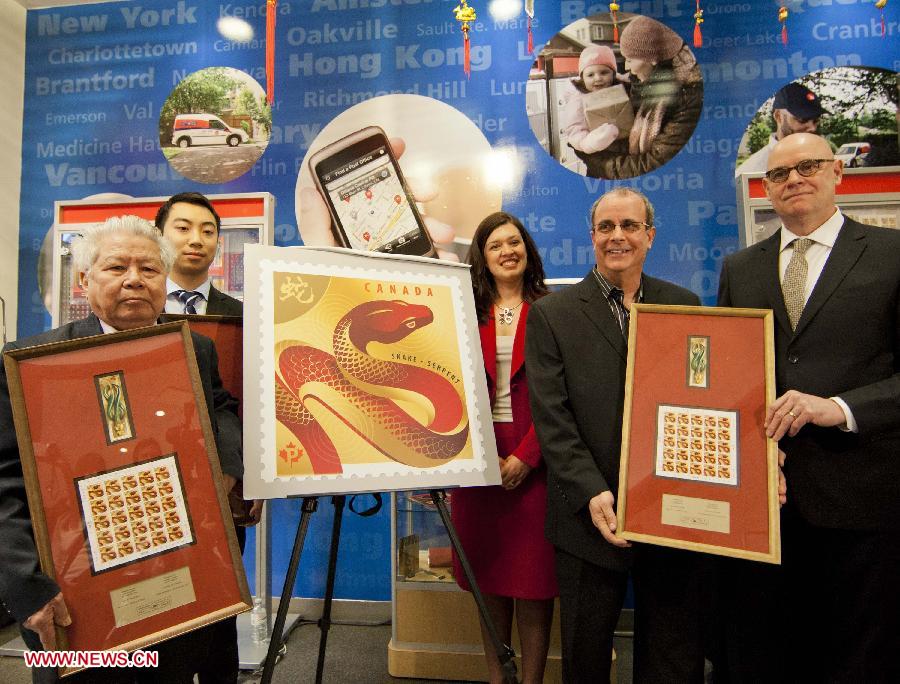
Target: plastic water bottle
258 632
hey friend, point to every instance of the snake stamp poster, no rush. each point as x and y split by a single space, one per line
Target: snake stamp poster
362 373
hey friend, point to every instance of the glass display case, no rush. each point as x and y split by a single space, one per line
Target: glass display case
869 195
435 627
246 218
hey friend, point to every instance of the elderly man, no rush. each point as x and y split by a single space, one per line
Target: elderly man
576 350
190 222
796 109
834 285
123 265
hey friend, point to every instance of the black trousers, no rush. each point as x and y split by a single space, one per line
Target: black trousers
830 613
669 636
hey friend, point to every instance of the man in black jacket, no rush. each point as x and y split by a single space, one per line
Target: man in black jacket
123 265
831 612
190 222
575 351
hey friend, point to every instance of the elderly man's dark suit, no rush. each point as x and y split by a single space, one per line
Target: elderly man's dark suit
23 588
576 355
842 520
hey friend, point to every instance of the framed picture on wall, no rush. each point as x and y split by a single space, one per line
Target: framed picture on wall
124 486
697 470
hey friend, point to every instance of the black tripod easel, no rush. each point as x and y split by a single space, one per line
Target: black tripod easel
504 652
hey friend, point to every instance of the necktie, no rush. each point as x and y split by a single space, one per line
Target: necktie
794 285
188 298
618 296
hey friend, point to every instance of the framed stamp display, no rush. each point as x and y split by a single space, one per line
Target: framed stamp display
697 470
124 486
227 332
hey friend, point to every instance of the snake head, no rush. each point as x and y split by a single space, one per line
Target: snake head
386 321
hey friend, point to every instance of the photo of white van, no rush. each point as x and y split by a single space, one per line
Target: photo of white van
853 154
205 129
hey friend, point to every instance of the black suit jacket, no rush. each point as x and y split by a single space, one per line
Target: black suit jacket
23 588
847 344
576 354
221 304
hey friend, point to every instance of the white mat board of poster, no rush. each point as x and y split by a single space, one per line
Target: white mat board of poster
362 372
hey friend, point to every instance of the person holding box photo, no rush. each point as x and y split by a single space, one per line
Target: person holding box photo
597 72
667 96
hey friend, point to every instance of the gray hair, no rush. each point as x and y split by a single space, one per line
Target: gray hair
86 247
620 192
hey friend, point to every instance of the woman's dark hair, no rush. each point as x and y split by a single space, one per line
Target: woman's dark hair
483 284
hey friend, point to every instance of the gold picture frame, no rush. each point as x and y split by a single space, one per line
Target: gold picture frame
697 471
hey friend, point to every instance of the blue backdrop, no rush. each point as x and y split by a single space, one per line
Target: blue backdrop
97 75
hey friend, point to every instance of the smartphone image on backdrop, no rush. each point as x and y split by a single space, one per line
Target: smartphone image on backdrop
370 204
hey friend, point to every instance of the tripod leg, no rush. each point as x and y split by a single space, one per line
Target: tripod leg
325 622
310 504
504 652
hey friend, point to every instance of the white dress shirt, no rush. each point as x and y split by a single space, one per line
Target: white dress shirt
174 306
817 255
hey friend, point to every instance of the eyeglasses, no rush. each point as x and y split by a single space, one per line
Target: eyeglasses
627 226
806 168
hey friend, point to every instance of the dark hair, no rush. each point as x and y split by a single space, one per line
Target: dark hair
188 198
483 285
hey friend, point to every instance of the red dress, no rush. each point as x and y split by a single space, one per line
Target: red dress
502 532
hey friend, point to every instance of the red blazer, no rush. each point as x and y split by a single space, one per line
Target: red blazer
528 450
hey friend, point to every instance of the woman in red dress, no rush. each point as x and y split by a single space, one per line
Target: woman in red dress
502 528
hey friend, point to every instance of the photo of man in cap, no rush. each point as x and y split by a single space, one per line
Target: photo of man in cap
796 109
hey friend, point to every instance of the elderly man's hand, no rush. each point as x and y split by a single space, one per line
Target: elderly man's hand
44 621
793 409
603 515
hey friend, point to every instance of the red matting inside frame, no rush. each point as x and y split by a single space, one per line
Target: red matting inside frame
737 372
68 435
228 334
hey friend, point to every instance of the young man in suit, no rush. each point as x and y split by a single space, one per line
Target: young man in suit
830 612
575 351
190 222
123 265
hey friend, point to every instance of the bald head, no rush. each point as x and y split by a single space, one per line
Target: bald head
811 146
803 202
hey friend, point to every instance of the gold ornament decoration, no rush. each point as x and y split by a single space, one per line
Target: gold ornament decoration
465 15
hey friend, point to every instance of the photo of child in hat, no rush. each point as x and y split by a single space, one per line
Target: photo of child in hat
597 71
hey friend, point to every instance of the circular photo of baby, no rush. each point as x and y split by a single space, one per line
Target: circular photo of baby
214 125
614 97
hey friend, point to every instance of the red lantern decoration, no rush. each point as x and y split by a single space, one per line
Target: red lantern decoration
698 19
529 12
880 5
271 10
782 17
613 8
465 15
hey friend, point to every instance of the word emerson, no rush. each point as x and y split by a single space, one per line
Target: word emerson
395 289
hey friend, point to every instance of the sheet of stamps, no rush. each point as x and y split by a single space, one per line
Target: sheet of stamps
697 444
134 512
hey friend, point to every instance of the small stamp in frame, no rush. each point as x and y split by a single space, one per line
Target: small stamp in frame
114 407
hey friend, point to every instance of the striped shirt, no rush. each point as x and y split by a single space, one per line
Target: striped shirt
615 297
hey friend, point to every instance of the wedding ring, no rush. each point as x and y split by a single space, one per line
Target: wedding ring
792 414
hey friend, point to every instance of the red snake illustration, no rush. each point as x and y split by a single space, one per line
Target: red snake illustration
310 377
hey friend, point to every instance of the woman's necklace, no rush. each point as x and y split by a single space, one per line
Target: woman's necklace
506 314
